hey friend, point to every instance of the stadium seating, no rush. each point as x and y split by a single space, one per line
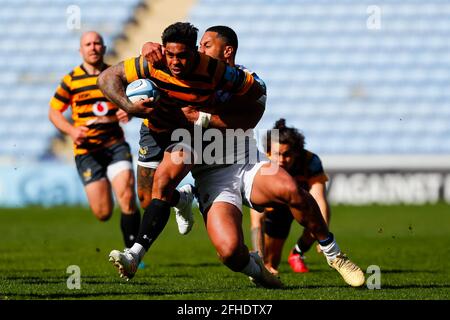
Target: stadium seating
349 88
37 47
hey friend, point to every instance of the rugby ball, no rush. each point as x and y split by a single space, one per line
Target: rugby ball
142 89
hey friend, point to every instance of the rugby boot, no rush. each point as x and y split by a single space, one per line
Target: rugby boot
125 262
351 273
183 212
297 263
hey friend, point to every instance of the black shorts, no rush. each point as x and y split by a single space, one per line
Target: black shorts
278 222
93 166
152 146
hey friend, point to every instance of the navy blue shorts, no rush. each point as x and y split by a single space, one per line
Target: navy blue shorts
152 146
278 222
93 166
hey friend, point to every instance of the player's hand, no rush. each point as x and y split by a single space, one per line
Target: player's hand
153 53
191 113
123 116
148 103
143 108
79 134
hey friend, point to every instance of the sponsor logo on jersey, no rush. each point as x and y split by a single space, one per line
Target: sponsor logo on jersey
100 108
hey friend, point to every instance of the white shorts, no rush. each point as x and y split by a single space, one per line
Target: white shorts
232 184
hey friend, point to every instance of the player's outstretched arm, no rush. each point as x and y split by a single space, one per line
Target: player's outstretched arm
112 83
318 191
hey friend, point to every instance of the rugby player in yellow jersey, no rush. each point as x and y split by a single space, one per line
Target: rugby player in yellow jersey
102 155
271 228
221 191
188 78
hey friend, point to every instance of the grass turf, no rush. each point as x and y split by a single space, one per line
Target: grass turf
410 244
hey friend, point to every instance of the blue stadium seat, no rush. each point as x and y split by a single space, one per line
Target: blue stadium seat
36 50
351 89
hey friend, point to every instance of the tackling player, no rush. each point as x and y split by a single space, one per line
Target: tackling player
102 155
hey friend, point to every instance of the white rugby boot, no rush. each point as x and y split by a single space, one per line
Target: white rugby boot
183 211
126 263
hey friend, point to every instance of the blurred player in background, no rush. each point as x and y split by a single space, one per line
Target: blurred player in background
270 229
102 155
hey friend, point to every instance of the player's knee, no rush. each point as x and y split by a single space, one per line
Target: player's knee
127 200
102 214
290 192
145 197
227 251
231 255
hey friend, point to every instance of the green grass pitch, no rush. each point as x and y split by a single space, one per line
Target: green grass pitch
410 244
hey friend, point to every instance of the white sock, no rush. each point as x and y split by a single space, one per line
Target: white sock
252 269
331 250
138 251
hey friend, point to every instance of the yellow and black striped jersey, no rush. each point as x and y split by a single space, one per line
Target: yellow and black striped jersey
90 108
198 88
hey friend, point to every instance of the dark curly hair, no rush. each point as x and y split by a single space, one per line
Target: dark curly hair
286 135
181 32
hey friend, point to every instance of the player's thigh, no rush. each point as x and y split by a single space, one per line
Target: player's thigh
100 198
217 185
123 187
172 169
151 151
97 187
272 187
224 226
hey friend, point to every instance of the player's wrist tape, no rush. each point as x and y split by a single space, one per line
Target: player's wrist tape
203 119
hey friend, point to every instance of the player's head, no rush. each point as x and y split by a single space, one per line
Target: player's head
289 146
92 48
180 46
220 42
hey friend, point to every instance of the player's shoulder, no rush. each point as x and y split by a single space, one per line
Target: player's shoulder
68 77
313 161
254 74
205 63
75 72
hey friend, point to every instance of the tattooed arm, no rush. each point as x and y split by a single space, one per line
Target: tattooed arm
112 83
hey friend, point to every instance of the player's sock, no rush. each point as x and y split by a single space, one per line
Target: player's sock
153 222
129 224
329 247
297 250
304 243
138 250
176 197
252 269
